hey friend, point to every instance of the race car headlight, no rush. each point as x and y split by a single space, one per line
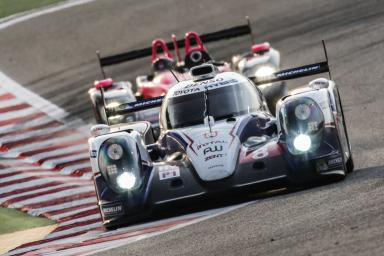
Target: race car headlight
302 111
115 151
112 105
302 142
120 163
126 180
264 71
302 123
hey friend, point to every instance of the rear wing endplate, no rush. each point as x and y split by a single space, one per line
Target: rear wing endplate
135 106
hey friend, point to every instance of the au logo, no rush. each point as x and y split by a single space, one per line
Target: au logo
213 149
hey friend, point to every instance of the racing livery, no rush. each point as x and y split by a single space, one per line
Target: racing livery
217 136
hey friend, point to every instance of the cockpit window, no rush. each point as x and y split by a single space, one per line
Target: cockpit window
224 102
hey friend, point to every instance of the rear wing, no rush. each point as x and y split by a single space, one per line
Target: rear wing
293 73
135 106
287 74
228 33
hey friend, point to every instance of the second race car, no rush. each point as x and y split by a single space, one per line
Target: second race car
262 60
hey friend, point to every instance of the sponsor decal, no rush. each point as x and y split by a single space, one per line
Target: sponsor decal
209 84
208 135
186 91
142 103
298 71
93 153
216 166
260 153
168 172
212 149
213 157
335 161
199 146
113 210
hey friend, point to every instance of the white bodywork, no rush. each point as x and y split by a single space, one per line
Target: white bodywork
214 148
213 153
248 65
96 142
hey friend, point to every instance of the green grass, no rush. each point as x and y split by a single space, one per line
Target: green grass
13 220
9 7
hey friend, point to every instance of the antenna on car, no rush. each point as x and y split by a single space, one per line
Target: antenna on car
174 75
177 50
206 110
326 58
250 30
101 66
102 89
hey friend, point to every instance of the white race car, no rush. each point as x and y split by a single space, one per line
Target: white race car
218 136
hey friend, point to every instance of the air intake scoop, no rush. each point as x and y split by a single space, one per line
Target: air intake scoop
203 72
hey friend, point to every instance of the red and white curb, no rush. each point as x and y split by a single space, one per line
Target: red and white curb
45 171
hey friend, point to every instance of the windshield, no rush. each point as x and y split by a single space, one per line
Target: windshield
224 102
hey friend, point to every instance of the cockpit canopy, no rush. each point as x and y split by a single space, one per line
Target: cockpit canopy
228 95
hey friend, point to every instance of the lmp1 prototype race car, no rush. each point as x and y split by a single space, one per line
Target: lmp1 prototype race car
217 136
260 61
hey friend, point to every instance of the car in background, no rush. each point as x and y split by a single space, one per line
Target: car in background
262 60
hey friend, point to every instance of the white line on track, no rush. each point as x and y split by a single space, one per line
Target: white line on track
73 212
70 169
52 163
57 152
33 99
63 206
10 102
17 113
74 230
86 218
26 175
14 152
21 17
39 103
52 196
34 191
33 133
24 185
25 125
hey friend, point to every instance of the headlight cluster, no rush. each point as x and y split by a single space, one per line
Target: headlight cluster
120 163
264 71
303 124
115 151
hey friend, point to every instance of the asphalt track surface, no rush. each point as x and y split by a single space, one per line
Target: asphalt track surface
53 55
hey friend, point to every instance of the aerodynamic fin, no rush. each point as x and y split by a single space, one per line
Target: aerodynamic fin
293 73
135 106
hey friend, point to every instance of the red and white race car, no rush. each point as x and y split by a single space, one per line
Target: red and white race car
262 60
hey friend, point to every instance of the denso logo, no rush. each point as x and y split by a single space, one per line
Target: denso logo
193 88
212 149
